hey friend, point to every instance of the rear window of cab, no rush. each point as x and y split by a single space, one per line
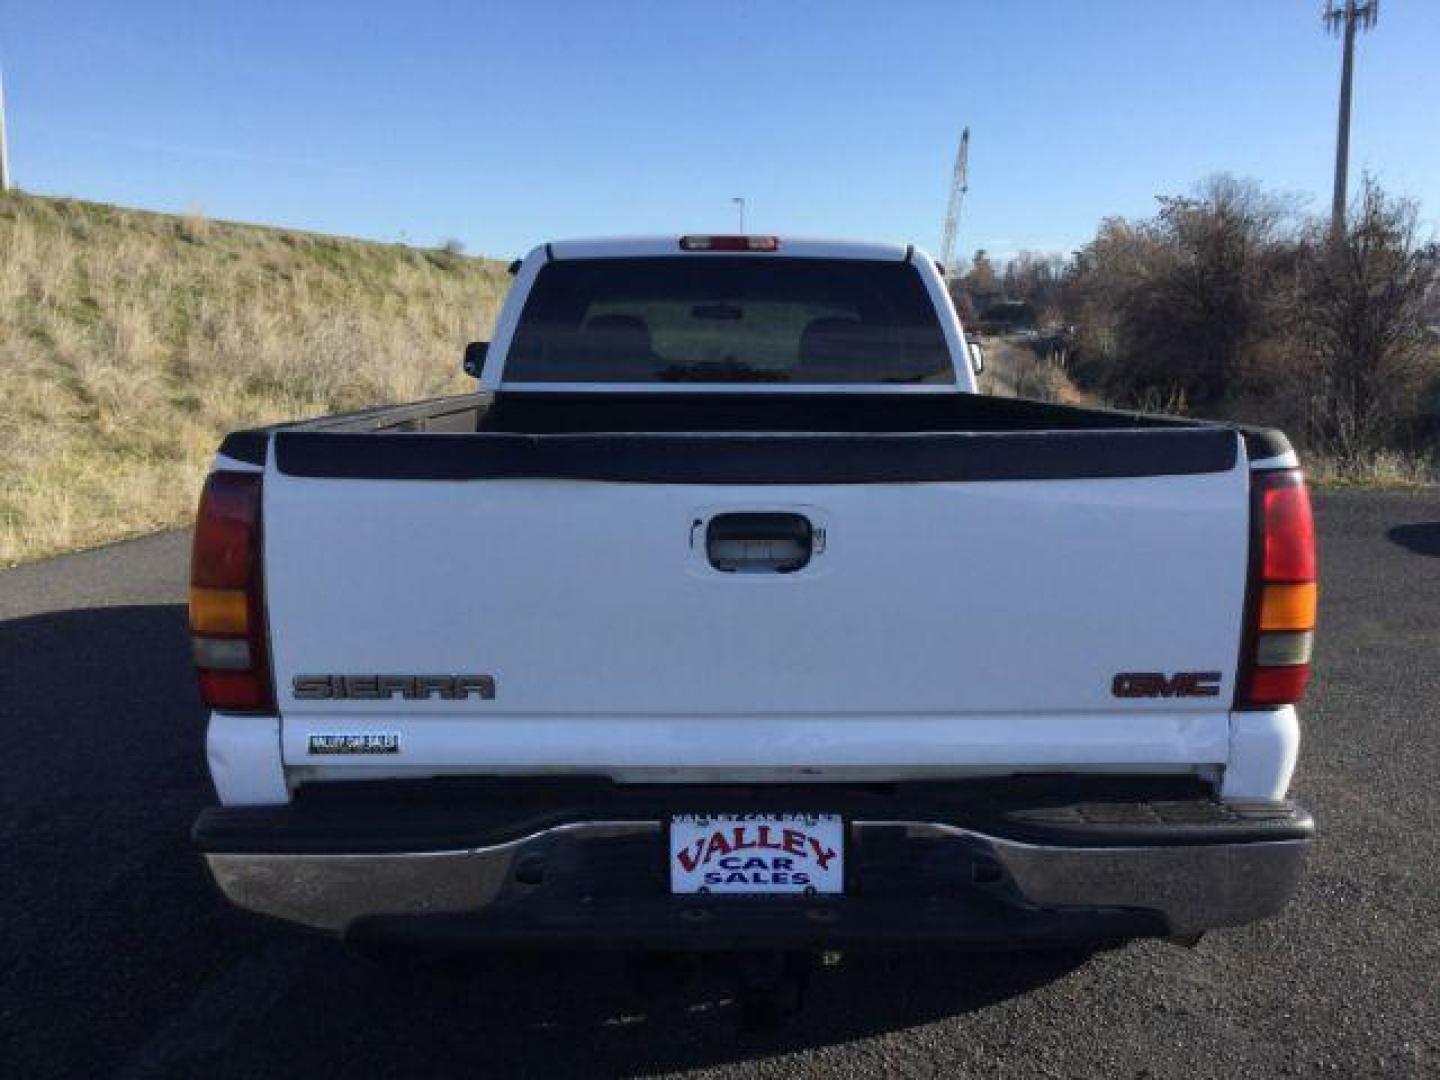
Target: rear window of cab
728 319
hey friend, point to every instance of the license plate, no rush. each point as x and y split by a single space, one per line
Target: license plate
757 853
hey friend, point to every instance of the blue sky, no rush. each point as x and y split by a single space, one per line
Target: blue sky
505 124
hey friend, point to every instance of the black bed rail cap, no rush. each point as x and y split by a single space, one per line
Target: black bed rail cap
248 446
748 458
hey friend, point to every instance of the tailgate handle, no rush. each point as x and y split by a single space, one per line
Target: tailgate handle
759 543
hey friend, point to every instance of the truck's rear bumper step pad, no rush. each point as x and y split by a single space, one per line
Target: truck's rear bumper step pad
908 879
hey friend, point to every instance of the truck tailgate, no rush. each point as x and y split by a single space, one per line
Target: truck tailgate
940 628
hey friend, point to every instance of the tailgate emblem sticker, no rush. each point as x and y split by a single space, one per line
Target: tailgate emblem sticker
387 742
384 687
1156 684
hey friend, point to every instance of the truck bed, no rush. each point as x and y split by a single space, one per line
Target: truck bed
730 438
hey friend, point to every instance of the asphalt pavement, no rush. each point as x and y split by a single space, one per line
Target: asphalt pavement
117 956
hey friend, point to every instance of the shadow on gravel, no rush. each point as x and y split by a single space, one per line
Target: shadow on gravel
1422 538
118 955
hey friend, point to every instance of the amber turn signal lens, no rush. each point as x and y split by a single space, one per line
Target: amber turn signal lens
1288 607
218 611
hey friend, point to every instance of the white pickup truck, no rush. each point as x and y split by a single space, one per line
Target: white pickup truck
727 614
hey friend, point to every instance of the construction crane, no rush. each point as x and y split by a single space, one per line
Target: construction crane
959 184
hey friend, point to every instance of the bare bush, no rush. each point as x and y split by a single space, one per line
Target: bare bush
1173 304
193 225
1231 304
1359 319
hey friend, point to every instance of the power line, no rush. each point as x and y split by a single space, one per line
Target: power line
1344 18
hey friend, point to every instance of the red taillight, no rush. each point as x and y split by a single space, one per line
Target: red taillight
729 243
227 609
1278 685
1280 625
1289 528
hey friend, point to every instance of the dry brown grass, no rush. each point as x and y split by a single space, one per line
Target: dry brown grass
1378 469
130 342
1015 370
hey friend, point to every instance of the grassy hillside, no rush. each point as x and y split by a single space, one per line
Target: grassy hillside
130 342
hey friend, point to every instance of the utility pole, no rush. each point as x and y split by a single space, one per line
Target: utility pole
1344 17
739 201
4 152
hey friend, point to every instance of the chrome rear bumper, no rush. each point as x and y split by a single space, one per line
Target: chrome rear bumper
1185 888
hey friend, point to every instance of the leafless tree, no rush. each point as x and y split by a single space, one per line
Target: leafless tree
1360 316
1176 303
1037 279
981 280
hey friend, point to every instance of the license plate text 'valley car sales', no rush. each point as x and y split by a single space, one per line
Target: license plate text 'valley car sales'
757 853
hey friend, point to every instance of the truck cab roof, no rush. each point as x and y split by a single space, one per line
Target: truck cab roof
792 247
